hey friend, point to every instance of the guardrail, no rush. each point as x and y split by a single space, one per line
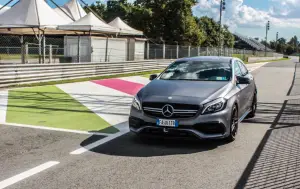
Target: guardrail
17 74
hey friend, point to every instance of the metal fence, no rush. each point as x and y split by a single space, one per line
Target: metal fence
13 50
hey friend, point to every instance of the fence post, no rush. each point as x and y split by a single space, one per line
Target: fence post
177 51
199 53
148 49
189 51
106 50
26 52
22 50
78 48
244 53
40 49
206 51
164 50
44 47
50 53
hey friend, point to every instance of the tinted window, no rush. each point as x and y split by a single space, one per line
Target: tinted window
243 69
198 70
237 70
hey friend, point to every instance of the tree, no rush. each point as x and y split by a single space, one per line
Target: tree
228 38
97 7
170 20
210 28
173 21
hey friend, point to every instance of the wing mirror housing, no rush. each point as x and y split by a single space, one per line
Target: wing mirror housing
152 77
242 80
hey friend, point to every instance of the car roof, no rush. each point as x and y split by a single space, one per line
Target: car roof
208 58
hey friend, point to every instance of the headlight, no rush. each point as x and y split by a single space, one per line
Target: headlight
136 103
214 106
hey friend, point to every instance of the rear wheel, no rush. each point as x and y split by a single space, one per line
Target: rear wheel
234 124
253 107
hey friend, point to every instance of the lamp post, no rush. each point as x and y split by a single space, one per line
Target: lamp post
267 29
276 42
222 8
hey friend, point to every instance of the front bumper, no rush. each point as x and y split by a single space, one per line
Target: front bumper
212 126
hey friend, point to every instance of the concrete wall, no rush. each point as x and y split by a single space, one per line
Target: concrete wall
259 59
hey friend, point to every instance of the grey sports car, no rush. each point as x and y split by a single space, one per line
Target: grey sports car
202 97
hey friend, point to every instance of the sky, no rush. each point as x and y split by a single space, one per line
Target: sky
248 17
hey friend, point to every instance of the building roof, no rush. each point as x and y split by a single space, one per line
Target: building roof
89 23
31 13
3 9
73 9
124 28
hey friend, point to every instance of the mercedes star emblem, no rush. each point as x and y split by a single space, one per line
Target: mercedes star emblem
167 110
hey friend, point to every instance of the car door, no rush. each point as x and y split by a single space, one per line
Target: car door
250 88
241 95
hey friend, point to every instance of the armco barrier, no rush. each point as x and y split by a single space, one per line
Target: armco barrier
17 74
259 59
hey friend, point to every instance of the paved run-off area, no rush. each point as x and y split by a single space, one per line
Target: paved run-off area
126 162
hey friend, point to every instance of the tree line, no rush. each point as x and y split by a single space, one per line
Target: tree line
284 46
169 21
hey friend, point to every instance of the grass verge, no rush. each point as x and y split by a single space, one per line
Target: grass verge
275 60
49 106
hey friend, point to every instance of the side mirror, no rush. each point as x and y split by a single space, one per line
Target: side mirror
242 80
152 77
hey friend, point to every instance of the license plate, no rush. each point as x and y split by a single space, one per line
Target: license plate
167 123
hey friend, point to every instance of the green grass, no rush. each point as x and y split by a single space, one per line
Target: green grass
49 106
85 79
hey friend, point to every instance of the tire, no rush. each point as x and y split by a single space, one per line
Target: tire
253 107
234 124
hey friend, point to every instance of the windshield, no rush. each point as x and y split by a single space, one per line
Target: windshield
198 70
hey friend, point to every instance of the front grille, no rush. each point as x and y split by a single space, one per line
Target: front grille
180 110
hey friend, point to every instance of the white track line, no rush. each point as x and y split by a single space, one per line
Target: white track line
97 143
254 66
54 129
26 174
3 105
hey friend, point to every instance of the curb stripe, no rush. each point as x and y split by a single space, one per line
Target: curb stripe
127 87
3 105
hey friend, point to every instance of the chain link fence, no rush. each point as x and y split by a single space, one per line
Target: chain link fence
28 49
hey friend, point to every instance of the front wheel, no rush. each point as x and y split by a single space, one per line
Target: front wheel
234 124
253 107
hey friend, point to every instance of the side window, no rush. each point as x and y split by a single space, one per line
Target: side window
243 69
237 70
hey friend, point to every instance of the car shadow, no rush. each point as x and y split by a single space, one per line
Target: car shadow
133 146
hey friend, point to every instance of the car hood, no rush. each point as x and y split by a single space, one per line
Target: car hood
182 91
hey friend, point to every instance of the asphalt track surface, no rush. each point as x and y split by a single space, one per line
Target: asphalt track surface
127 162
